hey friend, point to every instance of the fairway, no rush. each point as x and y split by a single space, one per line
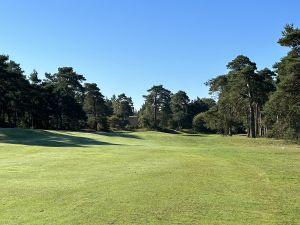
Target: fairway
76 178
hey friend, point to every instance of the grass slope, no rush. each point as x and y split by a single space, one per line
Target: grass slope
70 178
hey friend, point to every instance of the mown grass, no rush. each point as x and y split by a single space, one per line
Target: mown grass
70 178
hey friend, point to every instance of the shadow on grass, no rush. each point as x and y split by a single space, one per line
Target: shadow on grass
195 135
118 134
182 132
46 138
167 131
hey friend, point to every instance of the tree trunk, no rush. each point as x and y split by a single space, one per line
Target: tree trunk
251 112
256 120
261 134
155 112
251 121
2 118
248 127
229 131
95 115
60 122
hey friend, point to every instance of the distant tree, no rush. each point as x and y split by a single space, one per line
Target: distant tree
197 106
179 107
259 102
36 101
14 94
264 86
283 109
156 112
227 109
290 38
67 91
122 108
4 91
241 95
242 76
109 107
94 106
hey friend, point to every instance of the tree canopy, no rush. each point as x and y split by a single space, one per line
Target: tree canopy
246 100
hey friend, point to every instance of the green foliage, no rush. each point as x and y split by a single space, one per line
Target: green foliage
156 112
115 122
256 102
241 95
208 121
179 107
103 124
14 94
290 37
60 101
283 109
67 91
199 123
163 110
122 108
95 107
252 98
197 106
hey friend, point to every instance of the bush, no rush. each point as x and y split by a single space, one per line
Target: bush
290 134
115 122
199 123
103 125
282 130
91 123
99 124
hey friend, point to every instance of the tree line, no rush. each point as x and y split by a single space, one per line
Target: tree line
260 102
164 110
59 101
256 102
63 101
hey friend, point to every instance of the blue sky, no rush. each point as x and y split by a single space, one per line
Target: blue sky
130 45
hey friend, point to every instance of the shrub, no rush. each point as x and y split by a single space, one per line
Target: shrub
115 122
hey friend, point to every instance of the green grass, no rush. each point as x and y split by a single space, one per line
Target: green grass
70 178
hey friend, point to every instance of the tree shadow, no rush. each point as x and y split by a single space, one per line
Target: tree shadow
118 134
195 135
168 131
192 133
46 138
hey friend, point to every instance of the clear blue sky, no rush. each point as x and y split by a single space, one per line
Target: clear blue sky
130 45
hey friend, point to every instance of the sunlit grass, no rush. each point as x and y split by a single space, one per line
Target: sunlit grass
70 178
